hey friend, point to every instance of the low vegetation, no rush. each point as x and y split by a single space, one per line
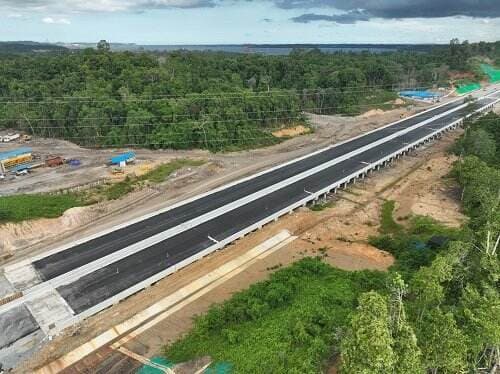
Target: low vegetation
387 223
319 206
163 171
158 175
287 324
25 207
117 190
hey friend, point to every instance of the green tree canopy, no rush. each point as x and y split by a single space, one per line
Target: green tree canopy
367 346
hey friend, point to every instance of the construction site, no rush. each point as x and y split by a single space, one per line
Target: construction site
339 234
249 209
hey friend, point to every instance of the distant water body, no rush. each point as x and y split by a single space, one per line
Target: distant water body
275 49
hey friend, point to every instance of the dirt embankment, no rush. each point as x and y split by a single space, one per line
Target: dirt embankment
20 235
291 132
431 192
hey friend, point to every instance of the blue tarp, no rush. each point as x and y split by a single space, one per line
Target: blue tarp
17 168
14 153
125 157
419 94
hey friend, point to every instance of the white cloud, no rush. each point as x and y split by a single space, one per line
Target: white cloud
56 21
78 6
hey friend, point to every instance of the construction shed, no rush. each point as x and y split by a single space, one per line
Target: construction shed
14 158
123 159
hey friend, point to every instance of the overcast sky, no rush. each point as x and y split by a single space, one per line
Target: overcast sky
250 21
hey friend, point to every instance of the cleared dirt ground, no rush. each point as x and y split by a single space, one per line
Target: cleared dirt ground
21 240
340 232
93 161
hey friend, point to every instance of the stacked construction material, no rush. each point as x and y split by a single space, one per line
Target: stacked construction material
15 158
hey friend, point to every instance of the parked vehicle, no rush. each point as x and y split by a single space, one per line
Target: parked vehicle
10 137
74 162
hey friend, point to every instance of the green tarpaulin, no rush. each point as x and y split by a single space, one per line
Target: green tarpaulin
217 368
148 369
468 88
491 72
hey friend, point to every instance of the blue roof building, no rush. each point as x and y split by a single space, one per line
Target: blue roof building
419 94
14 153
125 157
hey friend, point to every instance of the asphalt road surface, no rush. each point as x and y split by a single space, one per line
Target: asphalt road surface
116 277
67 260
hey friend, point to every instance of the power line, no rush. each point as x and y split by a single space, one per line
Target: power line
218 132
195 141
193 123
223 95
155 117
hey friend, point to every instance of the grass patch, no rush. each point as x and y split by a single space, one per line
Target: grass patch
410 246
161 172
287 324
24 207
318 207
387 223
157 175
120 189
378 99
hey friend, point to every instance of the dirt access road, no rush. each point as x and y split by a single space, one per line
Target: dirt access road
340 233
27 238
327 129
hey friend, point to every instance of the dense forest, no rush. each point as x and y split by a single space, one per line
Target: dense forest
212 100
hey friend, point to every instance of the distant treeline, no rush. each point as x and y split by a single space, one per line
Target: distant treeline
29 47
206 99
